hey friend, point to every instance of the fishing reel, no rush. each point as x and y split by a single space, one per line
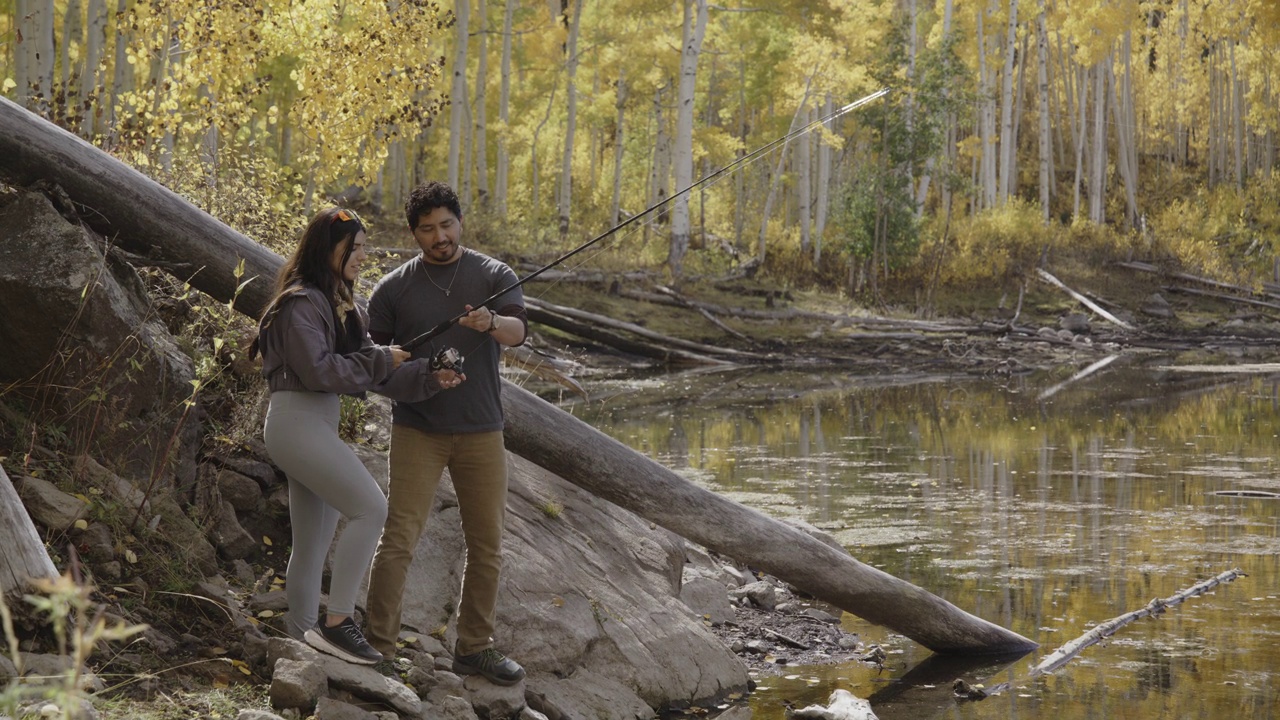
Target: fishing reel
447 359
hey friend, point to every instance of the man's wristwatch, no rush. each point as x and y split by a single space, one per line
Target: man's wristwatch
493 322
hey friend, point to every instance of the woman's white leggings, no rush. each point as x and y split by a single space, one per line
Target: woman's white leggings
326 480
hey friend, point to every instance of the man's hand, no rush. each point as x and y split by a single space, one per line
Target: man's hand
479 319
449 379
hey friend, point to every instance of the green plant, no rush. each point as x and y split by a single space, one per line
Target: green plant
79 625
551 508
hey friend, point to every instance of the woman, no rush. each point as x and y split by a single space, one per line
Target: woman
314 348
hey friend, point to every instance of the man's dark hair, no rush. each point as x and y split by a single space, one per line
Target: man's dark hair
426 198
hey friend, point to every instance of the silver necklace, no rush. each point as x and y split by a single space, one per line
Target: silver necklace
444 290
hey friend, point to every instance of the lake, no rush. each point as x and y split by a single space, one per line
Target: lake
1043 503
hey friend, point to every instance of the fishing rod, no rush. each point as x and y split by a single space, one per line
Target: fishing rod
442 327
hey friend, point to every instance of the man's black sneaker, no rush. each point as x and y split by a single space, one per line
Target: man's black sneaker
493 665
343 640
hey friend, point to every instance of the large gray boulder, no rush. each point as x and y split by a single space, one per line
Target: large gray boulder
589 602
78 329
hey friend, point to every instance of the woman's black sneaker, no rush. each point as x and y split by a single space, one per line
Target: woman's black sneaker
493 665
343 640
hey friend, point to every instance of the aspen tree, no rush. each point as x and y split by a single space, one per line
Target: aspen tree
571 118
695 26
458 94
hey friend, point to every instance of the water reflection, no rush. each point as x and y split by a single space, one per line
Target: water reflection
1044 512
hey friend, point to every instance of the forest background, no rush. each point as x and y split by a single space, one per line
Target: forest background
1014 135
1012 130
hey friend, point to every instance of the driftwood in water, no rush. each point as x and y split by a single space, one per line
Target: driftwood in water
586 457
1083 300
688 304
1222 296
610 332
134 211
795 314
1101 631
595 333
24 558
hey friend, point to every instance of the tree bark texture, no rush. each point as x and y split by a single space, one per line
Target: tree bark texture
24 558
555 440
139 214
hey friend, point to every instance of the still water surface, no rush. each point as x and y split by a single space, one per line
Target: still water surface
1043 507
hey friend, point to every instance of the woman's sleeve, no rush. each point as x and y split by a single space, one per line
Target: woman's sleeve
308 351
412 382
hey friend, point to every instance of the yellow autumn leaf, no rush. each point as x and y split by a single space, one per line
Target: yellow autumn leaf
9 84
130 556
82 524
266 540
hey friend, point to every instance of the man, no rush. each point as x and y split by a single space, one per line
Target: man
460 429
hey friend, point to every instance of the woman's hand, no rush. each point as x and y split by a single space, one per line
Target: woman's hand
398 356
449 378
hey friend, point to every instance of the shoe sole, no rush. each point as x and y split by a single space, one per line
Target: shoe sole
468 670
318 641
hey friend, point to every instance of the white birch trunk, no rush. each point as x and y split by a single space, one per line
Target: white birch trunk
1042 93
122 75
40 58
1007 140
481 145
824 185
21 70
620 103
1098 167
504 115
571 119
1080 137
661 173
1124 141
458 95
803 179
695 26
987 191
1237 122
91 81
70 70
777 174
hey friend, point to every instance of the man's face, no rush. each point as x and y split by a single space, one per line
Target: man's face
437 233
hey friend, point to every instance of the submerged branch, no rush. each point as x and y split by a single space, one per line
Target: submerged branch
1066 653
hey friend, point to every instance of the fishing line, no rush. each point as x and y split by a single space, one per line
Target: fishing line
443 326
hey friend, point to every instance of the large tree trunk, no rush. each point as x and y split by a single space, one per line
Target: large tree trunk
571 120
504 115
142 213
146 218
462 12
695 27
555 440
24 557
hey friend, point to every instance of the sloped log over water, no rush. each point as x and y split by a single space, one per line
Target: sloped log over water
586 457
129 208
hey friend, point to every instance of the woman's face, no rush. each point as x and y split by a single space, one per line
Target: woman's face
351 270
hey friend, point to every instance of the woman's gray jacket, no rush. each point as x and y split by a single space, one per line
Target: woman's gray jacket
297 340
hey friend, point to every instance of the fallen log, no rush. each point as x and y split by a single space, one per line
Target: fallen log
25 557
135 212
1082 299
608 322
1222 296
672 356
559 442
